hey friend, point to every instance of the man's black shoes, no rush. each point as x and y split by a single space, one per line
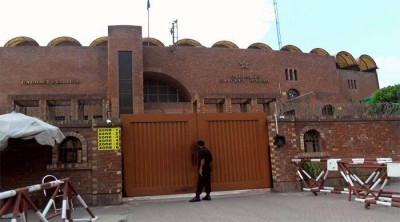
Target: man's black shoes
195 199
206 198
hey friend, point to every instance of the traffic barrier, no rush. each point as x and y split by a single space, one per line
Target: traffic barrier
380 197
17 202
382 169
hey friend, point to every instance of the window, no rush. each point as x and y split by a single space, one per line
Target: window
155 91
327 110
291 112
125 69
264 105
59 110
71 153
220 107
292 93
312 141
214 105
90 109
291 74
352 84
243 107
27 107
59 118
244 104
70 150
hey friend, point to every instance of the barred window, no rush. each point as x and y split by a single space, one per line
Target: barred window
70 150
352 84
312 141
291 74
328 110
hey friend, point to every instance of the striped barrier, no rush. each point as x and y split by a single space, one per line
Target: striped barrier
380 196
382 169
18 201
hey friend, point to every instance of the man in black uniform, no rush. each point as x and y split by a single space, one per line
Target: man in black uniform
205 165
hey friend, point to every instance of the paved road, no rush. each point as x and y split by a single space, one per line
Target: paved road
246 205
255 205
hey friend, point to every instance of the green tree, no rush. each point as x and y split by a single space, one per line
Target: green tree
385 101
390 94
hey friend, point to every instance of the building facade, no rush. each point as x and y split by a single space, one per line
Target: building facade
83 89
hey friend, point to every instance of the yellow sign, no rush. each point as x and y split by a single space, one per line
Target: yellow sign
108 138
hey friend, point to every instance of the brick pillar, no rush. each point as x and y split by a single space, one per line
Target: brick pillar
253 105
43 109
228 105
106 171
283 171
125 38
74 109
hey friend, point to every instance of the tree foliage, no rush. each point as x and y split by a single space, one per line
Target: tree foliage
390 94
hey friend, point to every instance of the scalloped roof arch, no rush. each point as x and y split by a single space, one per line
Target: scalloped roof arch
290 48
21 41
188 42
345 60
225 44
64 41
152 42
101 41
366 63
260 45
320 51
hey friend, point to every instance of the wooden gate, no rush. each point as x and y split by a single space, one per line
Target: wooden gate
158 155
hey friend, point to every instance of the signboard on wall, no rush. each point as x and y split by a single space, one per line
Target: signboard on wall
108 138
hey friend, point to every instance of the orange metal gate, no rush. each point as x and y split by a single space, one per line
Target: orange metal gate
158 152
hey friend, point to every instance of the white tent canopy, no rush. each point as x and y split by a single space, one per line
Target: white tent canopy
17 125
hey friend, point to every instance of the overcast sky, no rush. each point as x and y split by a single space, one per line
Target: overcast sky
358 26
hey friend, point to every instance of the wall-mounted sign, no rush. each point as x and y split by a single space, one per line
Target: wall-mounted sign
243 79
49 82
108 138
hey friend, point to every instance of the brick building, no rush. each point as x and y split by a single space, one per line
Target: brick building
156 93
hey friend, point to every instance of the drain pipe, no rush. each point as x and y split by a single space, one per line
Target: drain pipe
276 120
279 140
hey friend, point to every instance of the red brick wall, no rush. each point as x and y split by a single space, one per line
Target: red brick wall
364 138
196 69
200 69
87 65
366 83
